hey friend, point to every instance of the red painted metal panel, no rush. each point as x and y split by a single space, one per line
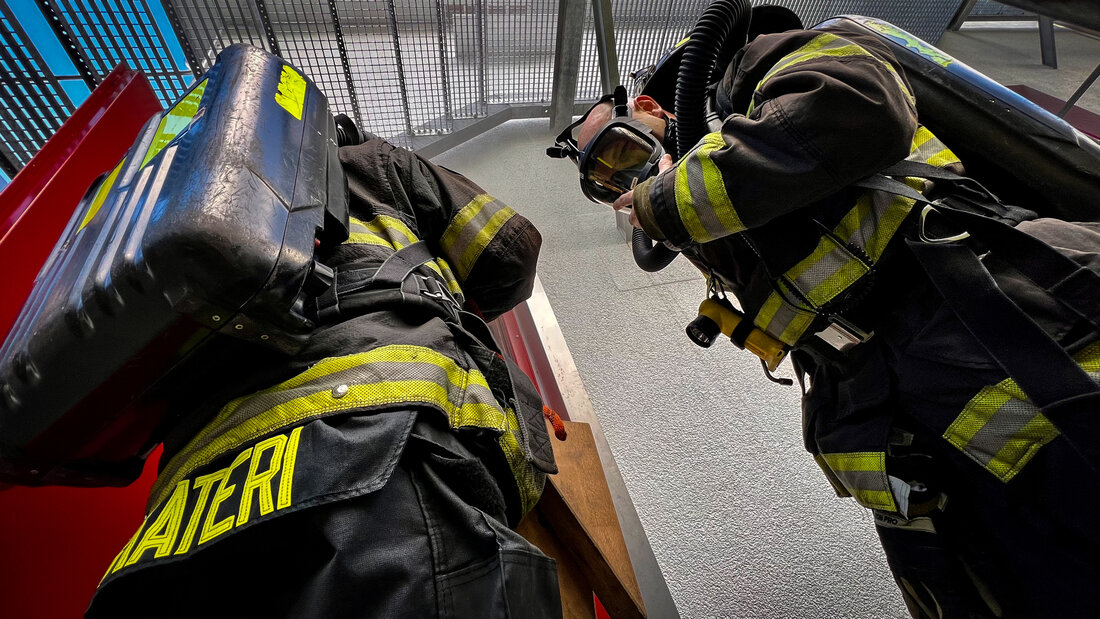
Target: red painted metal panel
56 543
1081 119
39 201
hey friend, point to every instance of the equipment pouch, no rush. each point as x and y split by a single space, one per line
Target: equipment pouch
513 388
847 421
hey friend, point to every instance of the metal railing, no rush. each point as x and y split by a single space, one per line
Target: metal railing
425 74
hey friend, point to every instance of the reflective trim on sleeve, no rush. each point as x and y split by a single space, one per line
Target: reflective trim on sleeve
929 149
472 229
392 233
701 199
832 268
529 481
863 475
1000 429
826 45
386 376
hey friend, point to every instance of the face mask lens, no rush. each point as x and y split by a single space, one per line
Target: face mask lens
616 162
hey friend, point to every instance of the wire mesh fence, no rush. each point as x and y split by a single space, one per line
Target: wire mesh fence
93 38
403 69
32 102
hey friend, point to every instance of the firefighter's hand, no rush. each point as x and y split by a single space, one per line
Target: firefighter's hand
626 201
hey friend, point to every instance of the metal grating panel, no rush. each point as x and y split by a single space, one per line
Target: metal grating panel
32 103
989 8
403 69
644 30
110 32
642 36
926 19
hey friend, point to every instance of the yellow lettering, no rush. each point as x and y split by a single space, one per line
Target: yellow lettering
203 485
286 483
210 529
261 482
161 536
120 558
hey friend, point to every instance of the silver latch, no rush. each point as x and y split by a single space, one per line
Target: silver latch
843 335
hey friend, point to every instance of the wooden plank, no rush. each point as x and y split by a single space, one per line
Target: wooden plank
577 509
576 591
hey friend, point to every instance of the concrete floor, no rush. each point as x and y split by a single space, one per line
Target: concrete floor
741 520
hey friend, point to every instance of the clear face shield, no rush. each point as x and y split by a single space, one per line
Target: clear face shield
623 152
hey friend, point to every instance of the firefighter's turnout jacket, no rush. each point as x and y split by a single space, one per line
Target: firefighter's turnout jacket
378 474
918 423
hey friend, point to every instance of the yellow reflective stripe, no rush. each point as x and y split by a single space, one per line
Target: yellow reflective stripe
830 269
942 158
863 474
368 234
394 225
412 375
1000 429
838 282
767 312
718 200
481 241
826 45
1022 447
444 269
782 320
101 195
461 219
921 136
702 203
684 203
529 482
472 229
888 222
927 148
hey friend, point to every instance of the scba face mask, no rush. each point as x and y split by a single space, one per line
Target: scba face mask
623 152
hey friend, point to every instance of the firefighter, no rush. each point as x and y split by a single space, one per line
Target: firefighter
912 376
380 473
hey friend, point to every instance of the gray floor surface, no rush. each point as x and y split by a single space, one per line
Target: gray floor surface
741 520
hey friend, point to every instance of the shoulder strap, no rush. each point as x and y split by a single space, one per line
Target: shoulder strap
1053 381
1073 285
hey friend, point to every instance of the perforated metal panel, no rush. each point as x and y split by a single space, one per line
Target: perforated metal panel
402 69
108 32
645 29
989 8
32 103
926 19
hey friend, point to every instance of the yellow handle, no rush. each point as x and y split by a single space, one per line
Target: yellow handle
771 350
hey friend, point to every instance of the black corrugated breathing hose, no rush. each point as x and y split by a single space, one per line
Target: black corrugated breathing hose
713 34
719 33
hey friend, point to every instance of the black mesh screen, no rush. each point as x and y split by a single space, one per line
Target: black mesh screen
32 102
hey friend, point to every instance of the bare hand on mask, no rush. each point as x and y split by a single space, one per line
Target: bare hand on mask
626 201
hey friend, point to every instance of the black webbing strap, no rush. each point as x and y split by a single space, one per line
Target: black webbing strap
1052 380
1075 286
742 331
388 283
398 266
879 182
917 169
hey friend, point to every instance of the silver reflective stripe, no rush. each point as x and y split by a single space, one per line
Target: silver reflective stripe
1000 429
472 229
863 475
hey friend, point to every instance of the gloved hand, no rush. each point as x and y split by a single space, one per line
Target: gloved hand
626 201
